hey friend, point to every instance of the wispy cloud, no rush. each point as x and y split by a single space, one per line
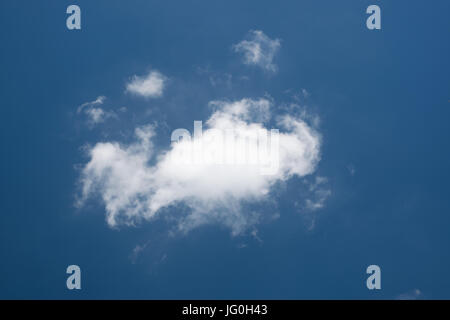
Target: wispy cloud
411 295
259 50
216 79
148 86
137 250
98 101
136 182
351 169
313 199
320 193
94 112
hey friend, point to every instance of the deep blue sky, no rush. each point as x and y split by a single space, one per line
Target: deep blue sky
383 98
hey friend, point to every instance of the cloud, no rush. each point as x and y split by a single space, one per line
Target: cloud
305 93
94 113
137 251
411 295
320 193
136 182
313 198
259 50
351 169
149 86
98 101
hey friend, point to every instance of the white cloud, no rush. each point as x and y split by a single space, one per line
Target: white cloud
135 182
94 113
259 50
149 86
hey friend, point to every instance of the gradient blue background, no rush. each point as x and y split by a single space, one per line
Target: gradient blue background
383 97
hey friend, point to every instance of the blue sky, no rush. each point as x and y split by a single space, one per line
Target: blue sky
382 97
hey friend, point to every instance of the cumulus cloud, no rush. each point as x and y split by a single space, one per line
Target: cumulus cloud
136 182
259 50
94 112
148 86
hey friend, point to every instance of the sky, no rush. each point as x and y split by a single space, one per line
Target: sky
86 123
